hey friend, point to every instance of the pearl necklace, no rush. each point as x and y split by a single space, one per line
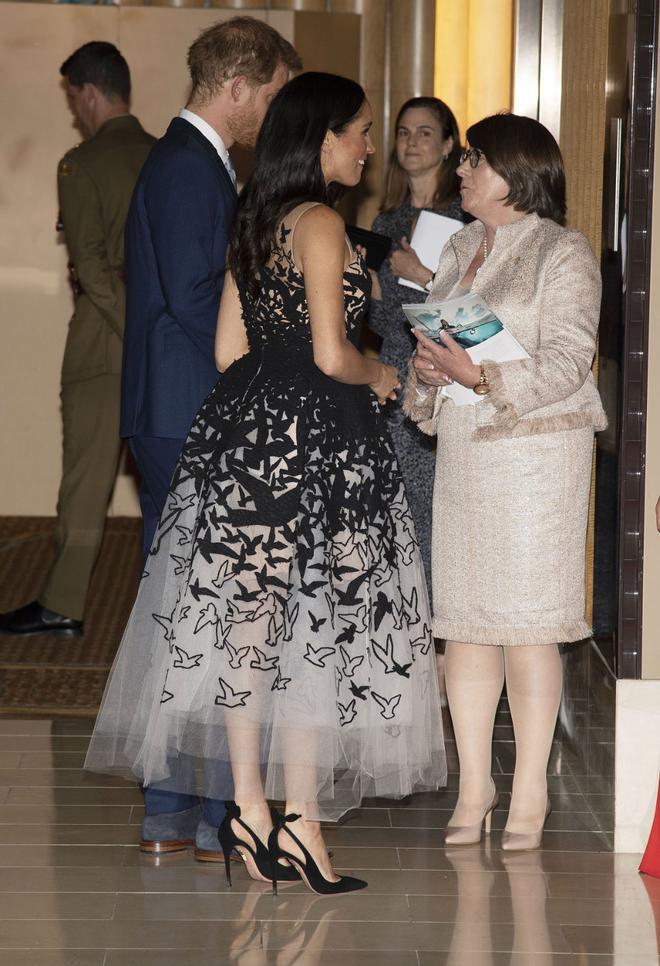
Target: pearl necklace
485 247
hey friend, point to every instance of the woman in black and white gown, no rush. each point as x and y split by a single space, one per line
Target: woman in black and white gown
282 623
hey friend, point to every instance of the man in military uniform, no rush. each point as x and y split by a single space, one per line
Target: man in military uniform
95 183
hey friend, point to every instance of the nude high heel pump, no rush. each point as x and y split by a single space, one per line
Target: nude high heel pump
524 841
471 834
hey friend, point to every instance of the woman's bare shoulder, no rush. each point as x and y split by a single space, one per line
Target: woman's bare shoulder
319 229
321 218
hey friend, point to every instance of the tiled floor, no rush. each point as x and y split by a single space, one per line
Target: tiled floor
76 891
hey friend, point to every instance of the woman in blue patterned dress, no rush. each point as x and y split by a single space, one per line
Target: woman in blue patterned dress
421 176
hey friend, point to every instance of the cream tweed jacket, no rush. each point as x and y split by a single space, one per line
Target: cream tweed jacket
543 282
511 493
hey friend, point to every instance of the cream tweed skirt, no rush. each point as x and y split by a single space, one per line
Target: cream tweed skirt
509 531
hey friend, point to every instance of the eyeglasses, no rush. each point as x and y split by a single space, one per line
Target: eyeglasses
473 155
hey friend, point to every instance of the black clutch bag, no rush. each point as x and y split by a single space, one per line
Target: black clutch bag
377 246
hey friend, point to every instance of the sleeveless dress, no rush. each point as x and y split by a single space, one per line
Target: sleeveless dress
283 609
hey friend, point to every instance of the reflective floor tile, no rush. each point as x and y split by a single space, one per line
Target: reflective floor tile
65 814
53 727
531 959
25 726
473 857
562 820
364 818
27 856
73 726
427 936
427 883
576 885
470 857
56 906
52 957
527 907
24 743
10 759
476 906
600 940
61 880
422 818
345 860
50 759
43 795
381 838
444 798
299 952
115 934
577 841
260 904
202 879
137 815
58 778
569 821
68 834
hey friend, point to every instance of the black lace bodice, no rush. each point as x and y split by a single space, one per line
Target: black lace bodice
280 315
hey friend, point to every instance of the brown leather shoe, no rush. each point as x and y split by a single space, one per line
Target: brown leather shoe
203 855
151 847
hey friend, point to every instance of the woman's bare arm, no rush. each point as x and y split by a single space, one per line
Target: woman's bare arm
319 248
230 338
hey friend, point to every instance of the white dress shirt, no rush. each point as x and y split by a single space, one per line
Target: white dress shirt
211 135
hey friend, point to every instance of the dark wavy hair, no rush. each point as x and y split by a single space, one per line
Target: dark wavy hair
524 153
287 165
448 183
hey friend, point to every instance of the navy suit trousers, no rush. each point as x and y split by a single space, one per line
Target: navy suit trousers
156 459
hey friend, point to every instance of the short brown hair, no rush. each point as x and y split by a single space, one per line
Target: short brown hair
99 63
525 154
241 46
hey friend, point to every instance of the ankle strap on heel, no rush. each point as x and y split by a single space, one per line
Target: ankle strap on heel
279 820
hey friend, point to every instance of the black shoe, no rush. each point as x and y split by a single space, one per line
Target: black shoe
257 858
34 618
309 870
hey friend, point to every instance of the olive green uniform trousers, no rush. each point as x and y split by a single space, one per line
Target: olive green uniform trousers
90 417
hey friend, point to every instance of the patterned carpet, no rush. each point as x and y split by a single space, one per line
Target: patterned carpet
46 675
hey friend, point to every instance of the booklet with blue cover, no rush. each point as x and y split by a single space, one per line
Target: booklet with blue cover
471 323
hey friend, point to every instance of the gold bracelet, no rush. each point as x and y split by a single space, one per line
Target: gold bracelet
482 388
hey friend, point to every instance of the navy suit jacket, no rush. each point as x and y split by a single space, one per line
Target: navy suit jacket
176 240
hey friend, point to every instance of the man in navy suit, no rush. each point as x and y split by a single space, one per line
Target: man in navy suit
176 239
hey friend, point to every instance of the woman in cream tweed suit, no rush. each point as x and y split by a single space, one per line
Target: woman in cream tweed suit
513 471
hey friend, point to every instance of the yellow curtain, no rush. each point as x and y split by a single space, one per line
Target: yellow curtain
473 49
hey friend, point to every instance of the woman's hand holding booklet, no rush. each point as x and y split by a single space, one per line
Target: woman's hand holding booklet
472 326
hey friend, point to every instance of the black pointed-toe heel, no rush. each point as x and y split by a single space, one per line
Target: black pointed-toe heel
309 870
257 857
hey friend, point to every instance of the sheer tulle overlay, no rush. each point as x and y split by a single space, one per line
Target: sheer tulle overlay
282 617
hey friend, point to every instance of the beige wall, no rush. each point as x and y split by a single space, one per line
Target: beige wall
651 585
35 302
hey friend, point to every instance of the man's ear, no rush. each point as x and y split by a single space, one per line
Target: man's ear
238 88
91 92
